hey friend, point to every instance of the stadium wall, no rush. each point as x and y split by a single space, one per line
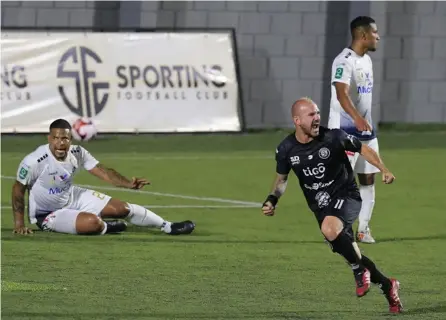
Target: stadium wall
285 48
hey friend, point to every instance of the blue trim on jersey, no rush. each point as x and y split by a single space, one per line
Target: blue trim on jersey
358 134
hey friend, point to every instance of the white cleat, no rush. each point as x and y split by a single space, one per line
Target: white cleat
365 236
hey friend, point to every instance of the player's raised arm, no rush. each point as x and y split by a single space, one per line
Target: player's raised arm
18 198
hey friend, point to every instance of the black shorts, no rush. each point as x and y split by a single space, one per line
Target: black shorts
345 208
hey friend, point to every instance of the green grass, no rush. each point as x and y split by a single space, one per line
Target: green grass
238 264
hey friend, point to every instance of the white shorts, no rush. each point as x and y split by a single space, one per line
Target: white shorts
359 164
82 200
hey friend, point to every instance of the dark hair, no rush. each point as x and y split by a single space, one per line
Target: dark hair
60 124
359 22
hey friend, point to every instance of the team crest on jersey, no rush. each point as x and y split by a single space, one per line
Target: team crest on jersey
323 199
324 153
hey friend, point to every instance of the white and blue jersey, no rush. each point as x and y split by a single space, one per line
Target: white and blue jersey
357 72
50 181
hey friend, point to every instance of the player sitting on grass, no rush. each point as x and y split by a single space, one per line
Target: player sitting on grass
55 204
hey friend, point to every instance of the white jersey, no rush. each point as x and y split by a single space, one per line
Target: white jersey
357 72
50 181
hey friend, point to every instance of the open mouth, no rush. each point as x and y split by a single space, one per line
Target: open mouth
60 151
315 126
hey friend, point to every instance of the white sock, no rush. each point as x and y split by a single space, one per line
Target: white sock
143 217
368 202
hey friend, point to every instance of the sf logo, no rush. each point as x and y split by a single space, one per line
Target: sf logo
87 97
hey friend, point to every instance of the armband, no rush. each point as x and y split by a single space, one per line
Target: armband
273 199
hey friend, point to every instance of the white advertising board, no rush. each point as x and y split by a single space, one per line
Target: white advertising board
124 82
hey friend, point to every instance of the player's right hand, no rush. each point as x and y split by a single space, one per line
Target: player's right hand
22 230
139 183
388 177
363 125
268 209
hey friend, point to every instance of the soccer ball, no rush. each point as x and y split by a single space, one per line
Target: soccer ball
83 130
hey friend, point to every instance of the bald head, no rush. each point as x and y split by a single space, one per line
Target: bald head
302 105
306 118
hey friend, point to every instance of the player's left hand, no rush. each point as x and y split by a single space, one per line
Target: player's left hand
388 177
138 183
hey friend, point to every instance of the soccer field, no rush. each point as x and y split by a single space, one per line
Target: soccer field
238 264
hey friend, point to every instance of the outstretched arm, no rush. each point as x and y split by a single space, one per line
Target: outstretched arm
115 178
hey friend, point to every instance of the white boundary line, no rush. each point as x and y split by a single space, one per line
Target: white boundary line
181 206
171 195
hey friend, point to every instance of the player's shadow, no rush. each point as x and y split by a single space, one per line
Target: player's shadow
156 232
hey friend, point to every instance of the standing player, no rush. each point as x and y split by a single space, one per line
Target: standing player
317 156
55 204
351 110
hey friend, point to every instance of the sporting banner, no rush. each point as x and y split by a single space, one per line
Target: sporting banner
124 82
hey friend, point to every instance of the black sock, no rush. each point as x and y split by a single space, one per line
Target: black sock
344 246
375 275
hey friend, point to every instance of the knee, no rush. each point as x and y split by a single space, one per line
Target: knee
97 225
331 229
115 209
329 232
125 209
120 208
88 223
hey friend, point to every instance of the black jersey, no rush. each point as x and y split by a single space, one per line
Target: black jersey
322 166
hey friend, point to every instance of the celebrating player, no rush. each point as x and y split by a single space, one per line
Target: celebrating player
317 156
351 110
55 204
